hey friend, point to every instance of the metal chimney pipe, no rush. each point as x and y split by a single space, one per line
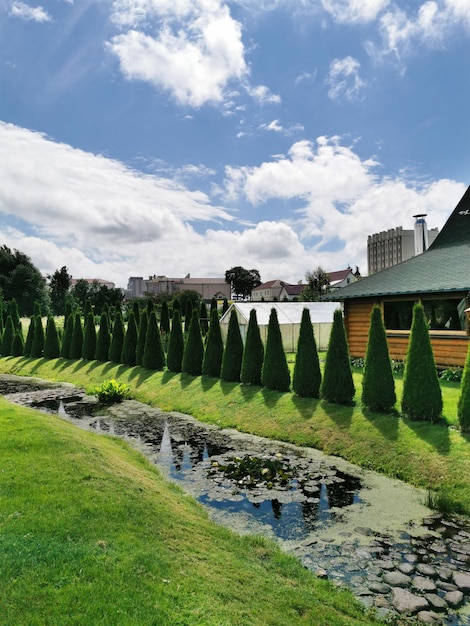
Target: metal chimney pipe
421 233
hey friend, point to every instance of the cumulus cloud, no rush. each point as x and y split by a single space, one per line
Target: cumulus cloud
354 11
344 80
25 12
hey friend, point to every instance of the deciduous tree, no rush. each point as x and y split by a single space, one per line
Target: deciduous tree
242 281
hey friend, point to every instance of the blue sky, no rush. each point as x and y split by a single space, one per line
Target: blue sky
168 137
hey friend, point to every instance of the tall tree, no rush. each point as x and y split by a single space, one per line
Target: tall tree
275 373
306 380
59 285
117 339
20 279
89 337
337 385
233 353
194 349
51 342
103 340
212 361
422 397
318 283
242 281
176 343
378 385
153 357
253 353
76 345
129 347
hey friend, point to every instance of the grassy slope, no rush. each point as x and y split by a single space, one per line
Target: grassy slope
90 534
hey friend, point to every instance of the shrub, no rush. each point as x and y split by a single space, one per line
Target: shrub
452 374
68 334
225 306
463 406
176 344
103 340
153 357
275 373
139 352
307 375
8 336
233 353
188 315
378 385
194 349
337 385
111 391
76 345
253 354
89 338
129 346
51 343
213 353
17 347
164 318
203 318
117 339
30 336
422 397
15 315
136 309
37 347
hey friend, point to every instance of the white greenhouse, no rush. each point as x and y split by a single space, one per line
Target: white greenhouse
289 316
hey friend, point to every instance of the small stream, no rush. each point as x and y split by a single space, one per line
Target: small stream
359 529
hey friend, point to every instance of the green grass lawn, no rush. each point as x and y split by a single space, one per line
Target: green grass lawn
91 534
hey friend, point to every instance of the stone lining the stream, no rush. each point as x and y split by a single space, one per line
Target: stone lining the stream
384 544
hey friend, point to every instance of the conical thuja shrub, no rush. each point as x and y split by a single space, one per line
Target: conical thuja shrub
139 351
89 338
275 374
203 319
51 342
422 397
76 344
306 380
337 385
7 337
174 357
17 347
117 339
153 357
463 407
103 340
378 385
164 318
67 339
29 336
233 353
194 349
212 361
15 315
253 353
129 347
37 347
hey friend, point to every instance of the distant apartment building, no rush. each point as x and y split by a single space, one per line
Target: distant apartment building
207 288
391 247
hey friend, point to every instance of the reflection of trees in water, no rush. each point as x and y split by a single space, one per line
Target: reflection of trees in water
277 508
341 492
310 515
191 445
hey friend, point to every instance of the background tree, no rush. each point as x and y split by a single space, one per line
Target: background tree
153 357
17 347
188 315
225 306
59 285
233 353
89 337
136 309
29 336
8 336
20 279
174 357
67 338
194 349
275 373
139 351
37 347
422 397
306 380
14 312
463 407
203 318
76 345
117 339
213 304
129 347
253 353
51 342
378 385
318 283
164 318
242 281
337 385
103 340
212 361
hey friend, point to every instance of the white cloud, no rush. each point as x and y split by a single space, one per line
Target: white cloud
343 79
354 11
26 12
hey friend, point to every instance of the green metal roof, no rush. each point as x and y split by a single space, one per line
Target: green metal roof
444 267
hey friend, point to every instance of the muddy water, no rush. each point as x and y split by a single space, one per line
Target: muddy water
360 529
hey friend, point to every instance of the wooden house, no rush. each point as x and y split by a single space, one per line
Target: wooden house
439 279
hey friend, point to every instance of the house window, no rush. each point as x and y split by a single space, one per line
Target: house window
441 314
